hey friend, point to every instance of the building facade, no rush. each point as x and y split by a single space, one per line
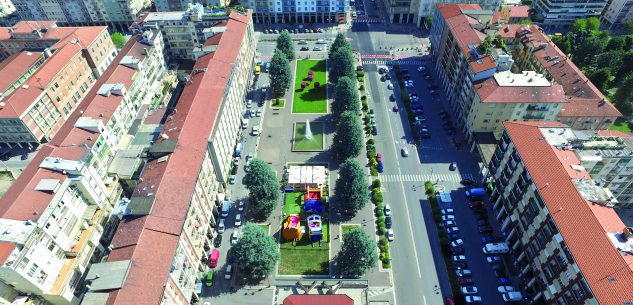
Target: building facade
563 13
183 5
534 81
117 14
616 13
6 8
168 224
293 11
58 214
415 11
541 195
42 89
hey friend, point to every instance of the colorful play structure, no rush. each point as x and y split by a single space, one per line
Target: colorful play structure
312 204
292 228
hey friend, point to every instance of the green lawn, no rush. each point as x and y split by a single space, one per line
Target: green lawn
620 125
303 144
265 226
302 259
310 99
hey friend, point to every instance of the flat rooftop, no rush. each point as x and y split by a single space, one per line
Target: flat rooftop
524 79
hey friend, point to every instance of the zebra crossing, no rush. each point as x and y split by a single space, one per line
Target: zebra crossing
367 20
376 292
426 177
391 62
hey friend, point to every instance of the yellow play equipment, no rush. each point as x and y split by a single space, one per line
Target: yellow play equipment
292 228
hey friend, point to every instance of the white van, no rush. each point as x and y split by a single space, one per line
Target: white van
226 206
244 123
496 248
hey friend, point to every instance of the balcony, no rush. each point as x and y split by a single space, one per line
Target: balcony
534 117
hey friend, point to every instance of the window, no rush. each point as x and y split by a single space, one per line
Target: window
32 270
23 263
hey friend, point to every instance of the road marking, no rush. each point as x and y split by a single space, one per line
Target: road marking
406 207
424 299
426 177
391 62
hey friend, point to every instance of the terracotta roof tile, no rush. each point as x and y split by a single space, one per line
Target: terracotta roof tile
490 92
615 133
318 299
5 250
519 11
607 272
15 66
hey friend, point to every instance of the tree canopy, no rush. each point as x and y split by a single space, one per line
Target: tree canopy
256 252
342 64
339 41
280 73
357 255
284 43
623 97
348 139
345 97
351 188
263 187
118 40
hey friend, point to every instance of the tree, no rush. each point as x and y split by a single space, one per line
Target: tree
351 188
600 78
342 64
628 25
579 25
628 42
279 73
357 255
499 42
486 45
625 68
623 97
585 51
428 21
348 140
263 187
615 43
284 43
256 252
118 40
611 60
345 97
593 24
339 42
526 21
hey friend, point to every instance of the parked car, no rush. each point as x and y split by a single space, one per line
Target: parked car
374 130
240 206
459 258
317 49
208 280
448 217
453 236
449 223
467 182
469 290
503 281
457 243
473 299
390 235
238 220
513 296
464 272
405 152
232 179
392 98
387 210
504 289
487 239
461 265
476 204
235 237
381 167
388 222
395 108
447 211
372 114
463 281
420 69
493 259
217 241
483 222
453 229
379 157
452 166
458 250
305 48
228 273
499 272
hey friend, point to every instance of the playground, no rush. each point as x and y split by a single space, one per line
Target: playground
305 248
310 89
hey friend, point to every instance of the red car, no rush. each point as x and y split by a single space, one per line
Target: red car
485 229
465 281
379 157
476 204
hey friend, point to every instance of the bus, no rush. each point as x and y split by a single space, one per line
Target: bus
258 69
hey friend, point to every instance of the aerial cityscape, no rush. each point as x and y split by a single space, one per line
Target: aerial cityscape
328 152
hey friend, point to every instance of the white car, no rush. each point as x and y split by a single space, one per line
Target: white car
229 270
493 259
255 130
452 230
512 296
457 243
387 210
249 104
420 69
473 299
447 211
235 237
240 206
459 258
249 157
390 86
448 217
405 152
238 220
504 289
463 272
408 85
390 235
469 290
232 179
450 223
258 113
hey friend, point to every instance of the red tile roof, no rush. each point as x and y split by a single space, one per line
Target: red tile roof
15 66
585 98
509 30
483 64
213 40
22 201
614 133
519 11
582 225
5 250
489 91
318 299
150 241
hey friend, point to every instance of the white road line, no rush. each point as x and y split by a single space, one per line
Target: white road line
406 207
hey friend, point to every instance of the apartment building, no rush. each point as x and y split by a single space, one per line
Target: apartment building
294 11
56 217
616 13
42 88
188 34
415 11
164 236
183 5
6 8
117 14
531 82
563 12
566 241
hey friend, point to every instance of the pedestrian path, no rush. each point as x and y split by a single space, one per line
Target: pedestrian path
426 177
374 292
391 62
265 57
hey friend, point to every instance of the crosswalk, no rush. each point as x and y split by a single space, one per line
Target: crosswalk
426 177
367 20
391 62
376 292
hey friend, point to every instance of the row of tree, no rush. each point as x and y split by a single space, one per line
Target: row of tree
280 73
606 60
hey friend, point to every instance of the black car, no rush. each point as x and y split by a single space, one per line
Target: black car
234 170
468 182
374 130
24 157
392 98
305 48
462 265
458 250
499 272
483 222
217 241
388 222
